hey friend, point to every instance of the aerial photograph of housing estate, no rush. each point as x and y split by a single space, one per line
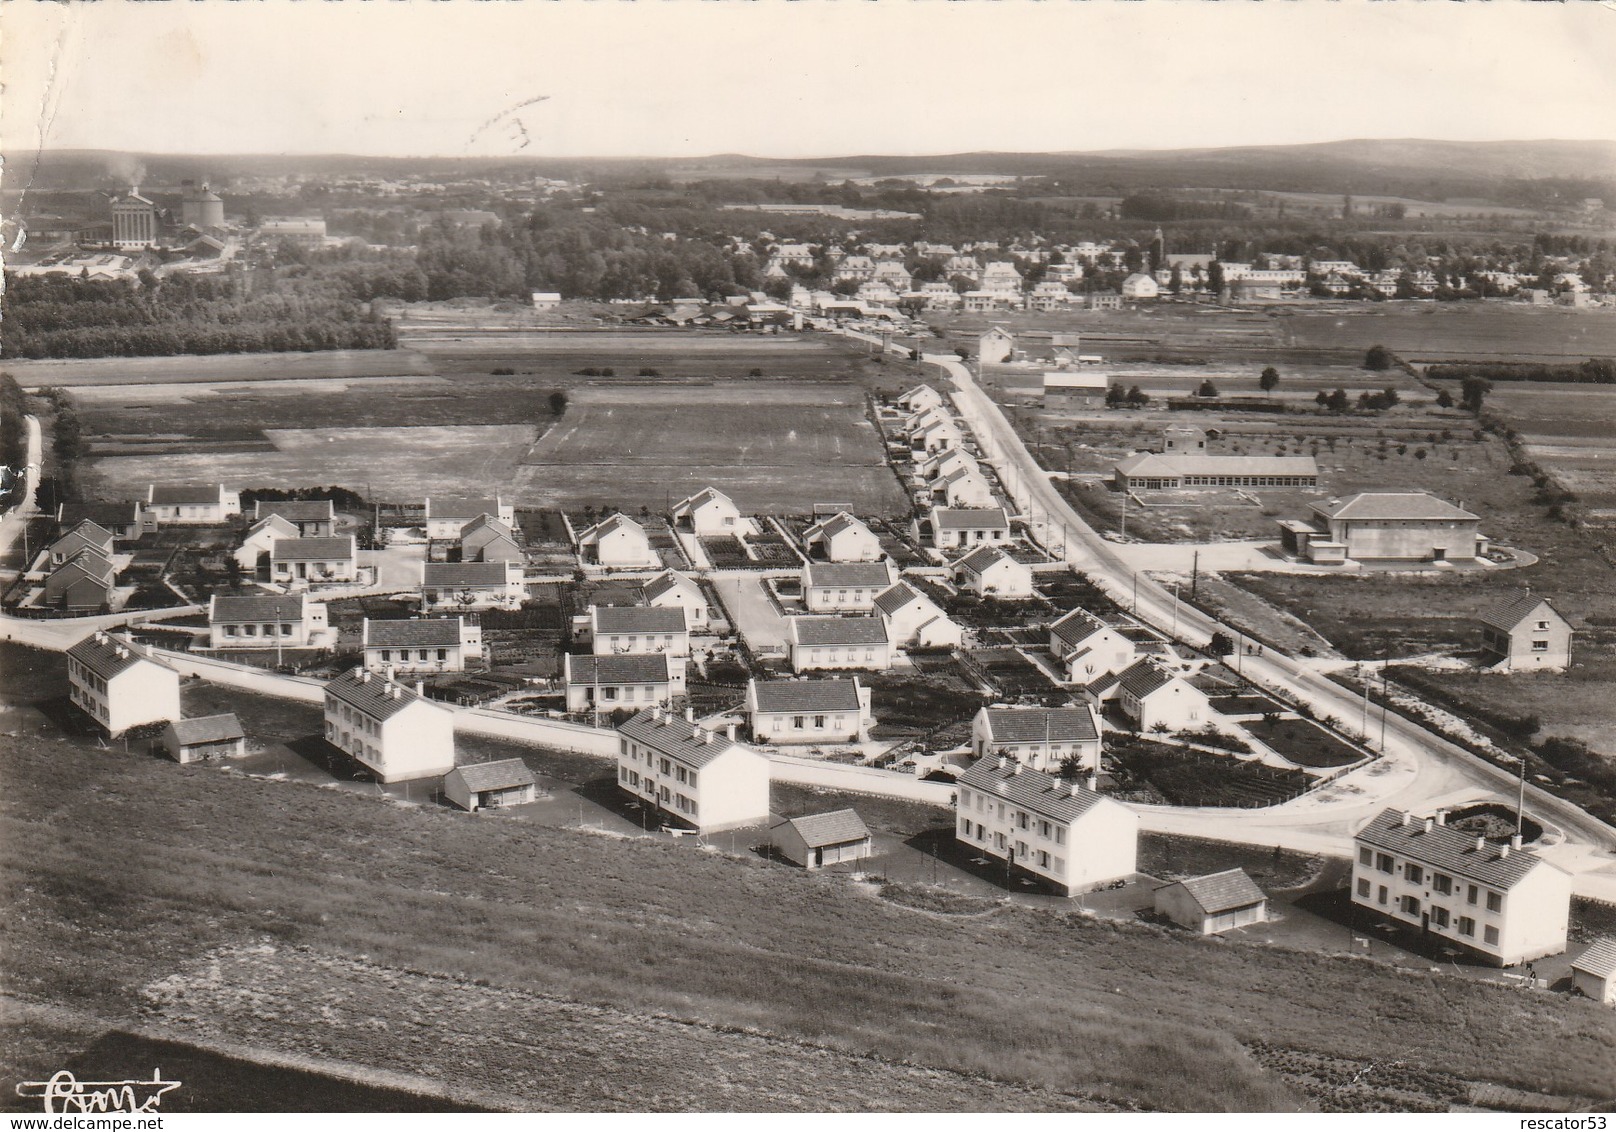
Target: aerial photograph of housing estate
793 557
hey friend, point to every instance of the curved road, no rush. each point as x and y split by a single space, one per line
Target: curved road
1420 770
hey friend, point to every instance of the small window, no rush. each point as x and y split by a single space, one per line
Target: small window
1439 917
1490 934
1470 894
1365 857
1363 887
1413 873
1495 902
1442 883
1411 906
1467 926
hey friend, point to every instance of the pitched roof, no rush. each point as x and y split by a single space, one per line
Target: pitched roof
677 737
1143 677
92 561
842 574
1034 725
464 574
1392 505
1223 892
1513 610
839 630
629 668
891 600
208 729
835 525
488 523
664 582
498 775
835 828
173 493
118 514
1599 959
638 618
106 655
296 510
1049 797
375 696
88 532
703 497
312 549
453 507
282 526
617 522
983 559
806 695
970 518
1450 850
256 607
1202 464
428 632
1078 625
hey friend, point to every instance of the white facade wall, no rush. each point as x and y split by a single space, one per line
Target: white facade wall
416 742
1525 922
147 692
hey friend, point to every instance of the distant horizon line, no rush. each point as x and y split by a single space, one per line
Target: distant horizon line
37 153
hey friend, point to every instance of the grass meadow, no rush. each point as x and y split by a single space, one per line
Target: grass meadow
126 870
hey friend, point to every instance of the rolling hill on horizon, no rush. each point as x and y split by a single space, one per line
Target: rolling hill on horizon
1431 168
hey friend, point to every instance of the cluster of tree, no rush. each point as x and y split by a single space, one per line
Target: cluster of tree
1594 371
1135 398
13 441
1337 401
1161 208
67 436
342 498
62 317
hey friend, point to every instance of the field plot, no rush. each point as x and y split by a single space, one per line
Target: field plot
393 464
1433 332
674 354
77 373
773 447
1570 431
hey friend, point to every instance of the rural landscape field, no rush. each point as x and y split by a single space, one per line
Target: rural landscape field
648 417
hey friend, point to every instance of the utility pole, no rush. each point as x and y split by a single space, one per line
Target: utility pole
1195 575
1124 531
1520 800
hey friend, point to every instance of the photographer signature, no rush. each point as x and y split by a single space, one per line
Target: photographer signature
73 1095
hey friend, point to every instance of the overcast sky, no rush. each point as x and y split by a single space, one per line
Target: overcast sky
817 77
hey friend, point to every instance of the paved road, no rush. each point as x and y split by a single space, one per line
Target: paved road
13 521
1420 769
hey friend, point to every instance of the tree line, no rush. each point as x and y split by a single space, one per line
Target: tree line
1594 371
64 317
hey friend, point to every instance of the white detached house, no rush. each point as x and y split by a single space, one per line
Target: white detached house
617 542
989 572
1042 738
708 512
914 621
1155 699
842 538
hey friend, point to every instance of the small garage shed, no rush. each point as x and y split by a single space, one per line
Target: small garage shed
203 738
1217 902
507 782
823 839
1594 971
